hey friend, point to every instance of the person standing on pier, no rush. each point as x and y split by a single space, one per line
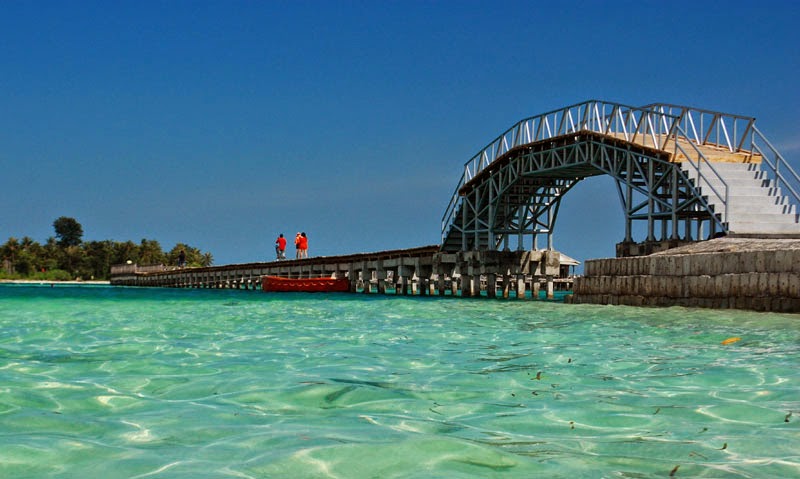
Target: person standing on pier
297 246
303 245
280 247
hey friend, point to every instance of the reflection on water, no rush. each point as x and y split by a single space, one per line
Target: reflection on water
115 382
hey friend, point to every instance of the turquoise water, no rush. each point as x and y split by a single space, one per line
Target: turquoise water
157 383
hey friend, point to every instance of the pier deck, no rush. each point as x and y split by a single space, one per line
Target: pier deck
423 271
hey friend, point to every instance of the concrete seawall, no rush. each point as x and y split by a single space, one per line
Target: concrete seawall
737 273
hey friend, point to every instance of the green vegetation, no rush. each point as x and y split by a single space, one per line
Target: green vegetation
66 256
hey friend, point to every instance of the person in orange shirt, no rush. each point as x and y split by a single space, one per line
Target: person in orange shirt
303 245
297 246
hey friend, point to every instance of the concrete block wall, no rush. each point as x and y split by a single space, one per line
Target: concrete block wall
753 280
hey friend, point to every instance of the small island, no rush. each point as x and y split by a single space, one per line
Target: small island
66 257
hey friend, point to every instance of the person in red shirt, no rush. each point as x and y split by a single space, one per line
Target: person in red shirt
297 246
280 247
303 245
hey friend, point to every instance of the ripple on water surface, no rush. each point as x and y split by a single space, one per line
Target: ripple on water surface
118 382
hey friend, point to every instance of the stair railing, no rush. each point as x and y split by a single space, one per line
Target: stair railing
700 165
704 127
736 134
778 169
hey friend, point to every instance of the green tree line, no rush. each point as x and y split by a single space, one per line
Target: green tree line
66 256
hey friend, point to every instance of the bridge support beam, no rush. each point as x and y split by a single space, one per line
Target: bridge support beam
402 286
424 273
475 271
491 285
406 273
506 285
521 286
366 280
381 277
466 285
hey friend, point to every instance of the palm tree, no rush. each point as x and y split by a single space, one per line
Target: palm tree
8 253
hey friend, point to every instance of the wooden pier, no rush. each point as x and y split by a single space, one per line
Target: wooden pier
416 271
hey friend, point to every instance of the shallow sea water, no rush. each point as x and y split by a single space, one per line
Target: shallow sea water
160 383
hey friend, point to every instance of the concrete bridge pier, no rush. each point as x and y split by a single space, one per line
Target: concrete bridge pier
424 273
549 285
391 284
405 271
365 278
445 265
466 285
470 275
352 273
401 287
491 285
506 285
380 276
535 287
440 283
549 264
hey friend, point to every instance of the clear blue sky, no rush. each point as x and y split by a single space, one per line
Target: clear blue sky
222 124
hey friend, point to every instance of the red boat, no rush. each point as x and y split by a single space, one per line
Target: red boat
306 285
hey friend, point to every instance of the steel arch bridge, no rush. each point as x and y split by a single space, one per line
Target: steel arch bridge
665 160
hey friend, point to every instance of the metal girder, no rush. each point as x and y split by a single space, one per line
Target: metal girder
520 194
514 185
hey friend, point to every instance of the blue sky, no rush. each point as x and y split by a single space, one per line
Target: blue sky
222 124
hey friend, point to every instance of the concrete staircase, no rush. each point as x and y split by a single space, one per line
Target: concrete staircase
756 206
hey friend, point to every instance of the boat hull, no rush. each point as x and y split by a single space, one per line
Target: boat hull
304 285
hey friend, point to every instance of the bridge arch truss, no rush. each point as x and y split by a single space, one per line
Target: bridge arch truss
657 155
